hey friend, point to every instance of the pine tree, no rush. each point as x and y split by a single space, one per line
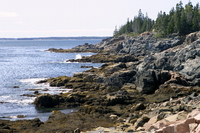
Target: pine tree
179 8
116 32
196 18
170 26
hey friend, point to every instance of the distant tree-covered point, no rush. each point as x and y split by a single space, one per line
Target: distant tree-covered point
181 20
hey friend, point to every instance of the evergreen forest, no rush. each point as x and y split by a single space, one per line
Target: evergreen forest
180 19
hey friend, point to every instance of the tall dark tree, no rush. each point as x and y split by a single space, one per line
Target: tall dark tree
116 32
177 17
171 23
196 18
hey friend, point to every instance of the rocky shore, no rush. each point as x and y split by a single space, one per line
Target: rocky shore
146 84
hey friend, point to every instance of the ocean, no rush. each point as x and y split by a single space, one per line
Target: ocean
23 63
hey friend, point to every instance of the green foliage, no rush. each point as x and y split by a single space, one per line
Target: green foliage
181 20
136 26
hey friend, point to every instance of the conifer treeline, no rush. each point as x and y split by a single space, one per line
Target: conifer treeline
181 20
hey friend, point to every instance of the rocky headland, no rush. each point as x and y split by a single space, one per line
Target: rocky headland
146 84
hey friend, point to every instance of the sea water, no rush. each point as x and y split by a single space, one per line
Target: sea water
23 63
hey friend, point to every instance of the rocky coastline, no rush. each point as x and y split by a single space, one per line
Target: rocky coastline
146 84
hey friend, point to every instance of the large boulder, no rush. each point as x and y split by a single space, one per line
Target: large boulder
148 81
47 100
118 79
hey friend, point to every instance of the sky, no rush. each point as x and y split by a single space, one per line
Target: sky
66 18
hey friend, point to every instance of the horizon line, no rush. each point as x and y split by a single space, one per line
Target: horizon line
53 37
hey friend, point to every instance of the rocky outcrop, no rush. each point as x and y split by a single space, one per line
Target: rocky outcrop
47 101
152 58
148 44
144 61
175 65
146 84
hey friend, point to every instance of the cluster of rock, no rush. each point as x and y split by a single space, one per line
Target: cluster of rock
173 116
147 61
146 84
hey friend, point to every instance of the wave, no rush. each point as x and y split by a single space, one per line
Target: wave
32 80
27 101
44 87
78 56
65 61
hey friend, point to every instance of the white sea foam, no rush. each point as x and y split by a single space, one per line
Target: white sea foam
4 97
13 117
70 62
78 56
32 80
44 87
22 101
65 61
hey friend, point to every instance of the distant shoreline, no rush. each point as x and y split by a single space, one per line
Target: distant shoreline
58 38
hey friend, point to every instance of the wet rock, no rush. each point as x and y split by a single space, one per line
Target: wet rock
47 100
36 92
87 66
20 116
15 86
59 81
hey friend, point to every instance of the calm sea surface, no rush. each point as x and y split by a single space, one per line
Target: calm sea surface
22 63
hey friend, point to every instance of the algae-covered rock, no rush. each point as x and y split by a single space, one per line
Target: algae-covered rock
47 100
59 81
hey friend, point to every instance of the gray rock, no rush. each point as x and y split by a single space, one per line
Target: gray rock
147 81
47 100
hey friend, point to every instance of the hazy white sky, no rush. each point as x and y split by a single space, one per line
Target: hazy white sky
47 18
